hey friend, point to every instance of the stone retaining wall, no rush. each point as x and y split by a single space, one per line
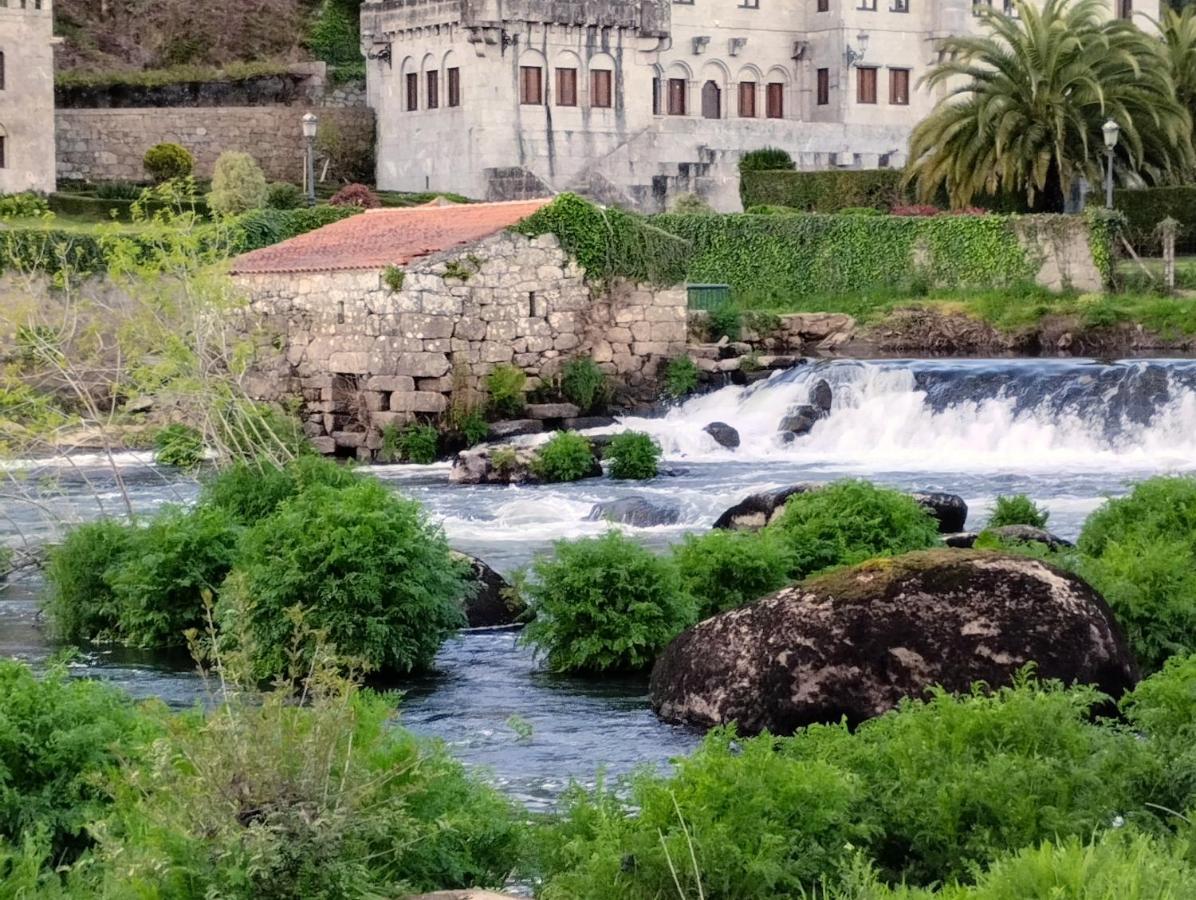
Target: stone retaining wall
363 356
109 144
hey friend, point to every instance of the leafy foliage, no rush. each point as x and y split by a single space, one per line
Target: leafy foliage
238 184
178 445
283 195
355 195
724 321
472 426
767 159
724 570
681 376
1145 208
1163 707
604 604
1026 100
1017 509
419 444
609 242
165 162
848 522
505 384
248 491
690 205
23 206
79 600
583 383
1139 551
825 192
264 227
632 455
566 456
366 568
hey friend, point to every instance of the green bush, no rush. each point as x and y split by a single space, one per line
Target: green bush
284 195
827 191
238 184
926 794
505 384
165 162
724 570
78 599
848 522
690 205
1139 551
419 444
1145 208
159 584
364 565
1017 510
23 206
632 455
248 490
768 159
724 321
604 604
265 227
178 445
860 211
1163 708
681 376
566 456
583 384
59 737
473 427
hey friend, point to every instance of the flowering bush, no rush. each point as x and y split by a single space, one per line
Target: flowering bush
355 195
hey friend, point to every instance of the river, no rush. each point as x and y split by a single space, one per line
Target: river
1069 433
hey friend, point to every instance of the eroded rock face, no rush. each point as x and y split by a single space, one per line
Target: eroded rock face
757 510
854 643
638 511
490 604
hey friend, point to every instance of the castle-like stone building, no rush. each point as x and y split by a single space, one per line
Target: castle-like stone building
634 101
26 96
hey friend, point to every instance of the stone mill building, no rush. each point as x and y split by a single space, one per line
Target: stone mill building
634 102
26 96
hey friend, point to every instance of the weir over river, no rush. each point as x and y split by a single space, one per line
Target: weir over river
1068 433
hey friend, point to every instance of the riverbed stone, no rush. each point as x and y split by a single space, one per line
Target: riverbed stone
637 511
1028 534
757 510
492 603
724 435
821 396
801 420
515 427
552 411
949 510
854 643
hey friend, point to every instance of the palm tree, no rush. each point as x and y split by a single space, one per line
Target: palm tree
1179 45
1025 102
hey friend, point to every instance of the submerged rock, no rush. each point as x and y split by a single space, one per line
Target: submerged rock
801 420
724 435
854 643
492 603
638 511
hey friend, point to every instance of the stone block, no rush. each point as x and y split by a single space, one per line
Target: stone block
438 304
418 401
426 327
629 314
373 400
349 438
390 383
565 341
382 419
667 331
469 329
641 331
422 365
495 352
627 362
441 385
501 330
351 362
325 445
650 348
515 427
664 314
552 411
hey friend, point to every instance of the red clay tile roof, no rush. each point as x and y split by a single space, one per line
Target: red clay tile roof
386 237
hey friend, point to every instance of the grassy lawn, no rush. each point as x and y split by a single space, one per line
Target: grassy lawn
61 222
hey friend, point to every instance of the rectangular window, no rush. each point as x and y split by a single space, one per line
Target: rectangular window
823 5
749 4
899 87
899 6
433 90
869 5
824 87
747 99
3 152
865 85
566 87
1 70
656 96
774 100
601 94
412 91
531 85
677 90
454 87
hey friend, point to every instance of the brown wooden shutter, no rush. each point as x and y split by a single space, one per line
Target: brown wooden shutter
433 90
412 91
747 99
454 87
530 85
600 89
899 87
677 87
775 100
865 85
824 87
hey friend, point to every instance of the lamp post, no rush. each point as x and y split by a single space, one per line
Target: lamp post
310 124
1111 131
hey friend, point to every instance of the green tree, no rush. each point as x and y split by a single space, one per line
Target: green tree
1025 101
1178 30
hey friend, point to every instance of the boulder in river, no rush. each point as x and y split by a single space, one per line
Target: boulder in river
821 396
800 420
501 464
949 510
757 510
514 427
492 603
855 642
638 511
723 434
1028 534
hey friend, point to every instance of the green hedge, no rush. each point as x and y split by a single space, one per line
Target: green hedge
1145 208
105 210
783 256
825 192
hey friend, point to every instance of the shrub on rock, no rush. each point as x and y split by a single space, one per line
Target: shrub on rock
724 570
249 491
848 522
566 456
583 384
79 600
632 455
1139 551
604 604
1017 509
364 565
505 385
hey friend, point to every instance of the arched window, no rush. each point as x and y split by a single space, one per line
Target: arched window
452 80
531 78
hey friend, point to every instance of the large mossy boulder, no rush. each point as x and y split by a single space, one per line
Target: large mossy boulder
853 643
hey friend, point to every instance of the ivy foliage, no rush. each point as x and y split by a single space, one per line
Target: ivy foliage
826 192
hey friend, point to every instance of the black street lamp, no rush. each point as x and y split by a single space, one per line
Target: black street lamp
310 124
1111 131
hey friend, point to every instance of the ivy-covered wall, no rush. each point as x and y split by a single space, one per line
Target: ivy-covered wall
825 191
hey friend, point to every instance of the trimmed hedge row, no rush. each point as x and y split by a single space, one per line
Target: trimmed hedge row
825 192
1144 209
105 210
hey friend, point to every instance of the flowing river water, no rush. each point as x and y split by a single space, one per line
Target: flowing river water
1067 432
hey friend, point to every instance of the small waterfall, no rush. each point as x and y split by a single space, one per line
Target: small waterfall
961 415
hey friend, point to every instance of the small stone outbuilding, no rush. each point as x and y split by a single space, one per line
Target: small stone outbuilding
395 314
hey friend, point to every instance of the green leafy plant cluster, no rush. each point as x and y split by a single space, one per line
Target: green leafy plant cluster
505 385
1017 509
238 184
724 570
766 159
610 242
583 384
835 190
264 227
1104 228
724 321
566 456
929 794
393 277
633 455
283 195
23 206
165 162
681 376
419 444
604 604
1145 208
178 445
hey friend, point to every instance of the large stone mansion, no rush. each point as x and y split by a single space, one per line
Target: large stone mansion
634 101
26 96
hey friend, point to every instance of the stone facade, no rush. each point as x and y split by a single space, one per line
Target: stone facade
109 144
364 356
635 102
26 96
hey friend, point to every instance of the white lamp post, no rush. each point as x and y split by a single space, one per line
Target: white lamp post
310 125
1111 131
